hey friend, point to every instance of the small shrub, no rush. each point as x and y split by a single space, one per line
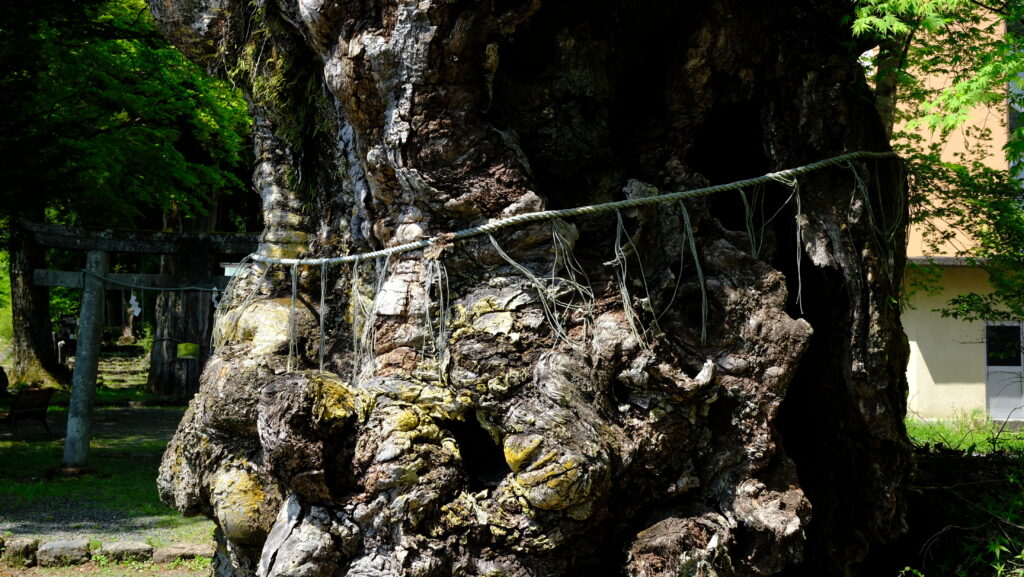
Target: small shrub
194 564
15 561
136 565
969 479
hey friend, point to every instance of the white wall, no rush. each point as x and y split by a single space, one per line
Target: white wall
946 371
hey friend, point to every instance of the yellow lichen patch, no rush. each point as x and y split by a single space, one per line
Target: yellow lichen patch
334 401
519 448
503 382
434 400
536 474
484 306
410 424
426 431
498 532
460 512
451 447
551 456
465 320
408 476
237 497
406 420
553 484
569 474
468 509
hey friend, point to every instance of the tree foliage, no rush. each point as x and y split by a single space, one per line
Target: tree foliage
951 198
102 119
102 123
950 58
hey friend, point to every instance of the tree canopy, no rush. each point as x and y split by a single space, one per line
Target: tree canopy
103 119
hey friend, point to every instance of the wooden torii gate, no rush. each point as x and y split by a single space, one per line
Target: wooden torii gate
201 250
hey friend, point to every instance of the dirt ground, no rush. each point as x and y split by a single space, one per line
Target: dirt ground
145 422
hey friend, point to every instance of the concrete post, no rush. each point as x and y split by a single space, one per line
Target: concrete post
83 381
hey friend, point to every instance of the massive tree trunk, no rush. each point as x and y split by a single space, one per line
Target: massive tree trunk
34 352
589 399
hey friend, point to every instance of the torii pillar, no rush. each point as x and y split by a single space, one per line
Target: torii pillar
87 356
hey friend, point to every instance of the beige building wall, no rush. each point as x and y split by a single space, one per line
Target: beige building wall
947 368
992 119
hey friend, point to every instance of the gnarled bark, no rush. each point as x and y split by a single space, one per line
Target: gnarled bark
465 421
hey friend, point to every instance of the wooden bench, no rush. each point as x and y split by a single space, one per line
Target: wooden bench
29 404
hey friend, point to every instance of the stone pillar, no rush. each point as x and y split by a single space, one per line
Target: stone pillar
83 381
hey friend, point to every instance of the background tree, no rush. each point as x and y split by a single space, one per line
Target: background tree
534 409
104 124
975 49
942 61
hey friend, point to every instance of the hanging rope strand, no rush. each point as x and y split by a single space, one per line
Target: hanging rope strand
700 273
621 263
292 346
356 308
323 312
113 281
799 251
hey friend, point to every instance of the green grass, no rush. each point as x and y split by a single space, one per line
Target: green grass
108 568
121 473
105 398
970 432
969 493
118 486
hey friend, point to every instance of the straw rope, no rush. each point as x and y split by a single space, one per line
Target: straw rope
784 176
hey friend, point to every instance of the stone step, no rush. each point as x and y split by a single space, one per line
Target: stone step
18 552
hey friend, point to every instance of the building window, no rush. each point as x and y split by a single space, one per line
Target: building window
1003 345
1004 379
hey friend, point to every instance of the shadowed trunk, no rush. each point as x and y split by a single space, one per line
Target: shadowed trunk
183 317
712 387
34 354
892 57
